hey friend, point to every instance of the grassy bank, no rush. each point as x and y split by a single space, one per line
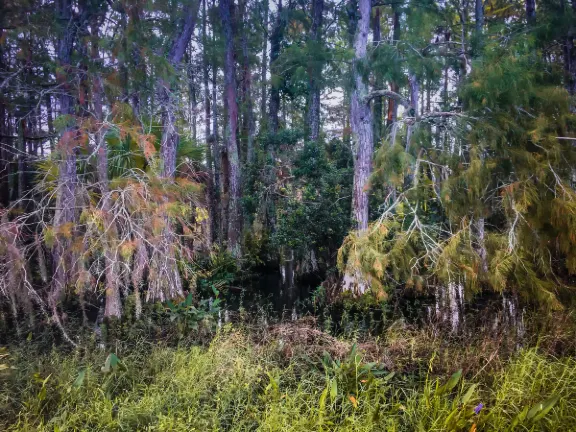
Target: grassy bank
290 379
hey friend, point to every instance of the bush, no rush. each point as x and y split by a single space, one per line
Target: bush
238 385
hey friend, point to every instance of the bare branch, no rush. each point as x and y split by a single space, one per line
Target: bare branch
388 94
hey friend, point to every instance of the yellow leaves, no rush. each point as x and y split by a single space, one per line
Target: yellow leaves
146 143
353 400
127 249
201 214
64 230
378 268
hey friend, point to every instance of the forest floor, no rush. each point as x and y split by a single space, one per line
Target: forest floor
294 377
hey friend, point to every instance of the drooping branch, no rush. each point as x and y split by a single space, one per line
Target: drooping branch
387 94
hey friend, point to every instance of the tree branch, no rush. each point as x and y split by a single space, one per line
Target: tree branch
183 39
388 94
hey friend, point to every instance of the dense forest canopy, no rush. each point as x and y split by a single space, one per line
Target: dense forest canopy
152 149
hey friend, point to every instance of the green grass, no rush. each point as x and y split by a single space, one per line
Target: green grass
236 384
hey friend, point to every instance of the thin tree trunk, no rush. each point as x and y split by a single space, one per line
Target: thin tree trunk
165 281
234 209
220 177
20 156
211 148
531 11
66 193
479 16
134 15
377 107
570 59
248 121
413 111
264 68
392 104
315 70
192 94
113 306
275 40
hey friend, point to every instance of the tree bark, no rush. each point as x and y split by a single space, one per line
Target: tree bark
531 11
413 109
66 193
192 93
211 149
113 306
570 59
361 122
361 119
234 203
220 178
377 107
315 69
275 40
479 16
165 281
392 105
248 121
264 68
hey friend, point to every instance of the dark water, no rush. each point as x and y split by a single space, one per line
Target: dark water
265 293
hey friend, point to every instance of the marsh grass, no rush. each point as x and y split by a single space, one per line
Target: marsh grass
236 384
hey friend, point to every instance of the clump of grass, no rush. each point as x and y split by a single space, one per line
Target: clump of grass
236 384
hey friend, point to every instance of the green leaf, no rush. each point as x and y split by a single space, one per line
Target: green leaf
520 417
79 379
112 362
469 393
539 411
323 397
333 390
188 301
452 382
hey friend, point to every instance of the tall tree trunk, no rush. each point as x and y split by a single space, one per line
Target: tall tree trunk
134 11
4 153
264 68
65 212
248 121
113 306
20 156
275 40
479 16
192 93
413 111
377 107
531 11
570 59
392 104
234 203
361 119
220 177
315 69
211 145
165 281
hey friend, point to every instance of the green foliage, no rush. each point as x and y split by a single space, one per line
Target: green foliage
316 214
485 197
188 316
236 385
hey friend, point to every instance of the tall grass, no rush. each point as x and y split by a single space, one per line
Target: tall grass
238 385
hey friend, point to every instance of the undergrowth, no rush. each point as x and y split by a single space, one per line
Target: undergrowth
240 384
